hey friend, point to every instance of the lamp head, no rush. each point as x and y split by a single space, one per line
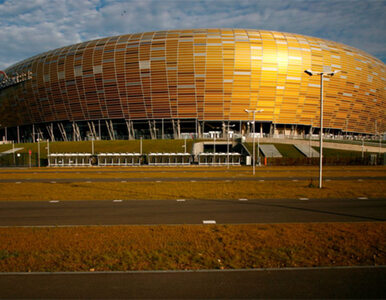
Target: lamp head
309 72
333 73
312 73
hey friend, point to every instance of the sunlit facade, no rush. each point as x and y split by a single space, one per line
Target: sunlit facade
167 83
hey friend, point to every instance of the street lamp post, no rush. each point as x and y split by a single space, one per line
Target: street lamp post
321 74
254 119
227 131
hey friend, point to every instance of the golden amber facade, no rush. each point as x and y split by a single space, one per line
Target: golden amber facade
202 74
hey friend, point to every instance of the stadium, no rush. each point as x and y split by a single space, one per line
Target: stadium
192 84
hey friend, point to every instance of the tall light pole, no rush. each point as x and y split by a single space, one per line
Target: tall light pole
254 119
321 74
38 151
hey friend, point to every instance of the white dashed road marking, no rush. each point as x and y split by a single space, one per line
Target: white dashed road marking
362 198
53 181
54 201
180 200
192 181
158 181
243 199
209 222
360 179
261 180
123 181
304 199
295 180
18 182
117 200
328 179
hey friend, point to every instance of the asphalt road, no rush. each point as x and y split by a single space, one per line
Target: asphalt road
350 282
181 211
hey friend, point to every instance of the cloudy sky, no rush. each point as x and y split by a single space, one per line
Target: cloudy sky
29 27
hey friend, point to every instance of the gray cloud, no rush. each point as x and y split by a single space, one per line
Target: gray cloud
34 26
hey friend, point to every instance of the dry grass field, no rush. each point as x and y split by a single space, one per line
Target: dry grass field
191 171
147 183
120 248
180 247
188 190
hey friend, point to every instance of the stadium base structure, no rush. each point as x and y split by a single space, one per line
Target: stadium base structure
166 129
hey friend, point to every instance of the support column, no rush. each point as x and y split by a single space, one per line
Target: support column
162 130
178 129
174 129
18 135
50 130
91 127
62 131
76 132
110 129
99 129
130 129
155 129
196 133
151 129
73 132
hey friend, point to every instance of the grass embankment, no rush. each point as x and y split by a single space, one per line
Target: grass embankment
120 248
104 146
189 190
287 150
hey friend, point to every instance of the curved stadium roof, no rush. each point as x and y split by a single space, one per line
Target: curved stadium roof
202 74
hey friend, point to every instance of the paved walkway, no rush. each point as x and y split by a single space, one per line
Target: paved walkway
338 146
11 151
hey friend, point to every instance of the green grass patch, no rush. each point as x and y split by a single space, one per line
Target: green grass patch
288 150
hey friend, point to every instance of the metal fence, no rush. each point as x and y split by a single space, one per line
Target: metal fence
21 160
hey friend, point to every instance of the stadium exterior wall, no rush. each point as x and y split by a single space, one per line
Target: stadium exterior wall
161 84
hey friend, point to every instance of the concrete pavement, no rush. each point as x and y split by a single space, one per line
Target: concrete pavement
188 179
